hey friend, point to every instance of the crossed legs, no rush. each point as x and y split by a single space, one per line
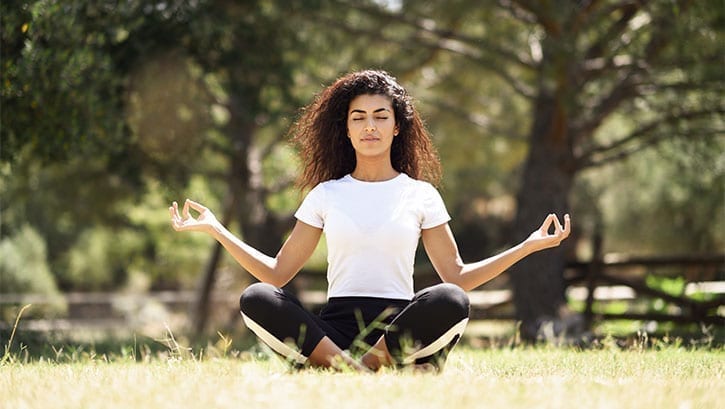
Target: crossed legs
424 331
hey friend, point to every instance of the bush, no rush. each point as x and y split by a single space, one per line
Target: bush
24 270
100 259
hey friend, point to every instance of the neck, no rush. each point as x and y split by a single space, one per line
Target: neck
374 173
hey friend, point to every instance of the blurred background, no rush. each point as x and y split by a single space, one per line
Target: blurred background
612 111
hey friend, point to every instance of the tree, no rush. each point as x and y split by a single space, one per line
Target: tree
60 105
243 45
122 96
577 65
635 55
65 73
154 92
58 90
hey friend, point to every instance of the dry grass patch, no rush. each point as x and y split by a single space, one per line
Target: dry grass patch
519 378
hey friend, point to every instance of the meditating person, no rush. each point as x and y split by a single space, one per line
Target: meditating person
371 171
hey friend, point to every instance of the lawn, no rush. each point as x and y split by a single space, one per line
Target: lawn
668 376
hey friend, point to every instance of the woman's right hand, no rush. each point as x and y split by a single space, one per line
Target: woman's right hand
184 221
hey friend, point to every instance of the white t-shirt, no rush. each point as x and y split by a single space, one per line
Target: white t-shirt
372 231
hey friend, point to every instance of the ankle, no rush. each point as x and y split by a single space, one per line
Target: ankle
370 361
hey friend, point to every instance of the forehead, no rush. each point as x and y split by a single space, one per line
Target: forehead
370 103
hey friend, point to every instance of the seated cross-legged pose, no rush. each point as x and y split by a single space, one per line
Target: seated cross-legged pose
371 168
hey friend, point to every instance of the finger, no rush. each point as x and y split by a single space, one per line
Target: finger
174 210
547 223
185 211
567 225
196 206
557 223
175 221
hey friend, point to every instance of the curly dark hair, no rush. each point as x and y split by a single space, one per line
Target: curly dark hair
326 152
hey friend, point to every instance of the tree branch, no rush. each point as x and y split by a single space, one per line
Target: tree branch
629 9
707 85
579 19
474 55
427 26
517 12
600 59
643 137
550 25
620 92
626 88
441 44
617 156
476 120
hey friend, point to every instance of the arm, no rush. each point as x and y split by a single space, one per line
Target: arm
273 270
443 253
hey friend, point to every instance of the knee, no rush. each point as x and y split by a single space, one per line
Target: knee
452 298
256 297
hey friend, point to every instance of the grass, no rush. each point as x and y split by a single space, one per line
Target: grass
525 377
161 373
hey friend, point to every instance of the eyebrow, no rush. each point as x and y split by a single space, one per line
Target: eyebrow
360 111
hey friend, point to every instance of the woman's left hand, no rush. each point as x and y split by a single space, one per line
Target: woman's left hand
542 239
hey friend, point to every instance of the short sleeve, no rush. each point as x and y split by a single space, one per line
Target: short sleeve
312 209
433 208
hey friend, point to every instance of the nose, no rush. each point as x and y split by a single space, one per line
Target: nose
370 126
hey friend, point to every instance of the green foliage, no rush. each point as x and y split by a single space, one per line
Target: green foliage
63 199
24 269
674 286
23 263
59 84
615 307
98 259
169 259
111 110
669 199
168 111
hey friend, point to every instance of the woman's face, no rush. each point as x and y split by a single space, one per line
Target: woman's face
371 125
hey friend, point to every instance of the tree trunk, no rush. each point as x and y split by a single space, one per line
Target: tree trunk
258 227
538 281
261 228
202 301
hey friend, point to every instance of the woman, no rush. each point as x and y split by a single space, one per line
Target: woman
372 169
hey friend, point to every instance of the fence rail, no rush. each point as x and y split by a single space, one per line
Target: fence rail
701 273
609 278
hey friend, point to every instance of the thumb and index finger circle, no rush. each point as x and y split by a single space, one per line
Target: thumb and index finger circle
547 223
194 205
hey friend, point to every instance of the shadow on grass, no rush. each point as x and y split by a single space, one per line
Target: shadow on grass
33 346
61 347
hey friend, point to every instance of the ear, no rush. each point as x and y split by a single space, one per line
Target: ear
396 130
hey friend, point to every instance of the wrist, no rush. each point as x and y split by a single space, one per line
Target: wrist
527 247
216 230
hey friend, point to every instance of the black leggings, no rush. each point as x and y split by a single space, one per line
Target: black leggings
423 329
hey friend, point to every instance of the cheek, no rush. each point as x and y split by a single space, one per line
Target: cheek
350 132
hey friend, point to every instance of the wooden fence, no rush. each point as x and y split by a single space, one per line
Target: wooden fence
702 275
611 278
595 283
